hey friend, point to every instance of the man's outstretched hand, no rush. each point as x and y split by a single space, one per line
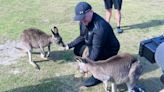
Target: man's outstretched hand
66 47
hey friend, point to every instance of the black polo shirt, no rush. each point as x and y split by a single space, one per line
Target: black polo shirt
99 37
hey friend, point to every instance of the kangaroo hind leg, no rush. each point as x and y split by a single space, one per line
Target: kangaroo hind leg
30 59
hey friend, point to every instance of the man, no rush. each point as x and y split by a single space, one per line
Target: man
117 6
96 34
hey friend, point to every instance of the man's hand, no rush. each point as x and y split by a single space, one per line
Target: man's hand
66 47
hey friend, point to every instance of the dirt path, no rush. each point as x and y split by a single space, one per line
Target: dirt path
9 54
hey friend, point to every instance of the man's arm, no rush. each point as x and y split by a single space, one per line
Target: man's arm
79 39
76 42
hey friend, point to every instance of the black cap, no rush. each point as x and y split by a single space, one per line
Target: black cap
80 10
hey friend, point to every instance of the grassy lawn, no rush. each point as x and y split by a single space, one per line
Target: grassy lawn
141 19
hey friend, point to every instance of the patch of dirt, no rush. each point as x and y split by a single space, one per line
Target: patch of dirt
9 54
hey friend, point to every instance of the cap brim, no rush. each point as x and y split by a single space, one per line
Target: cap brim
79 17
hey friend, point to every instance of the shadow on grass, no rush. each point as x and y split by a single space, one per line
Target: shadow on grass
151 85
148 24
61 55
147 66
64 56
66 83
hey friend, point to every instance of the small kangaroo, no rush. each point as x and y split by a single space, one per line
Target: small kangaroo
122 68
35 38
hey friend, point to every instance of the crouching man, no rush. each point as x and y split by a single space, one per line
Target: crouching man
96 34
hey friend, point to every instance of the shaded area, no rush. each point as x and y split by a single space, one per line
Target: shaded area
148 24
61 55
150 85
147 66
66 83
65 56
56 56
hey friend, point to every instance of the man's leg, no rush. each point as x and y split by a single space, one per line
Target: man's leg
108 14
78 50
108 6
118 17
118 21
118 5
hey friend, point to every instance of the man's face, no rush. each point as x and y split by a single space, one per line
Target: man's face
86 19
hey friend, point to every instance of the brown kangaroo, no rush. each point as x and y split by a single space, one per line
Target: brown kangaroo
122 68
35 38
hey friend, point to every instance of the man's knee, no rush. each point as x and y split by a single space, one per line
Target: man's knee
78 50
109 11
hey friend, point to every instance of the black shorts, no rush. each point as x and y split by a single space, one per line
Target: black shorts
109 4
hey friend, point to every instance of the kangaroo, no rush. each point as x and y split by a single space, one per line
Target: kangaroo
119 69
35 38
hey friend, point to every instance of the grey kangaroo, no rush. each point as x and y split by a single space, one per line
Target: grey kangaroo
35 38
122 68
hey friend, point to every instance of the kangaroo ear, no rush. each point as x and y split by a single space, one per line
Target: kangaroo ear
84 60
78 59
54 30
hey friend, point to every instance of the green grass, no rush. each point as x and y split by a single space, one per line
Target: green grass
141 19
